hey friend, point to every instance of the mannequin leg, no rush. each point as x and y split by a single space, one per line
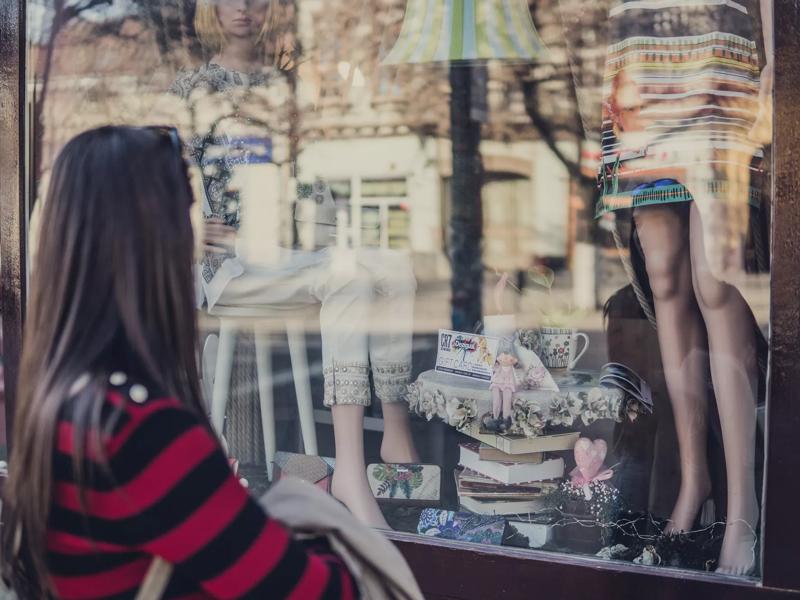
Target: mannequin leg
508 396
497 403
345 299
734 370
391 326
682 341
350 484
397 445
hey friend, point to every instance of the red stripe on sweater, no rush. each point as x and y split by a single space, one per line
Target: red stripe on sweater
313 581
203 525
253 565
149 486
108 583
67 543
347 584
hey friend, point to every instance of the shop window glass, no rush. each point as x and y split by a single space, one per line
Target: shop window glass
526 243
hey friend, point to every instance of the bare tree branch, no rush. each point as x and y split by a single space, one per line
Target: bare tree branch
70 12
547 131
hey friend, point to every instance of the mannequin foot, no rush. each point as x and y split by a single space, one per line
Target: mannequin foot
738 555
690 499
398 451
397 445
352 490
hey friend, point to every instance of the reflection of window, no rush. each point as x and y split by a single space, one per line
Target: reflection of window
385 226
507 219
399 223
382 214
371 226
372 188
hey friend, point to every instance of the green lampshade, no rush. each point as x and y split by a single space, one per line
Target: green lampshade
462 30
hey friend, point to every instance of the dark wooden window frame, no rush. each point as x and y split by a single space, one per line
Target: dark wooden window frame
454 570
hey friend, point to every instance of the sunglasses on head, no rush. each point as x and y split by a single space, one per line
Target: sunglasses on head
167 132
171 133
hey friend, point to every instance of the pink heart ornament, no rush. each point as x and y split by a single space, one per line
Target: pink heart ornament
589 457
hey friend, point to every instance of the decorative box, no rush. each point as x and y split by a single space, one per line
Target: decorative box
585 515
462 526
314 469
535 533
409 483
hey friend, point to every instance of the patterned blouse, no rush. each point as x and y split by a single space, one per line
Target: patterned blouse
232 96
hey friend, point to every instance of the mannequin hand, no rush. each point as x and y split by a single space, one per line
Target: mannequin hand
761 132
218 238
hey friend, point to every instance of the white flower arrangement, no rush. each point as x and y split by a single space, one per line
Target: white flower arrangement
461 411
529 418
456 412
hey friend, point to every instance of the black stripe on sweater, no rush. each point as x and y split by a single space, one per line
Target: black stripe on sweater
178 504
151 438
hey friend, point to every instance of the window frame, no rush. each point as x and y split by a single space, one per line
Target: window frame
457 570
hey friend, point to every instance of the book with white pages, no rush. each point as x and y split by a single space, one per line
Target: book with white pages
510 473
501 508
519 444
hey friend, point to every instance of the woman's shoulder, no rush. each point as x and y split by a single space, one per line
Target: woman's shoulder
131 419
123 400
146 405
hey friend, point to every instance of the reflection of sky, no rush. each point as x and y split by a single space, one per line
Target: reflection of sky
40 14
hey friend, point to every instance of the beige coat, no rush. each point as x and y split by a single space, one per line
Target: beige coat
378 567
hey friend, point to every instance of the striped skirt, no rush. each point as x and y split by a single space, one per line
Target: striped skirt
680 97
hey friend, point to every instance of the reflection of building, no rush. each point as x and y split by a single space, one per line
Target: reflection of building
378 135
399 197
385 132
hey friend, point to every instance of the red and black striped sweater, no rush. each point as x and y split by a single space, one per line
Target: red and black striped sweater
169 492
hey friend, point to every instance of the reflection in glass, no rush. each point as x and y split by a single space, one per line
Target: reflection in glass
681 97
364 298
368 182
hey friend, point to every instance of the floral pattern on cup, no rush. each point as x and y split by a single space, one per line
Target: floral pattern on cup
557 347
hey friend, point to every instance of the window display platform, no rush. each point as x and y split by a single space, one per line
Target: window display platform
581 398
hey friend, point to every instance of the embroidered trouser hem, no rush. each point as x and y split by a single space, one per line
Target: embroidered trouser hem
349 383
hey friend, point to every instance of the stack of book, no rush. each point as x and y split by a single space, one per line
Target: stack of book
500 475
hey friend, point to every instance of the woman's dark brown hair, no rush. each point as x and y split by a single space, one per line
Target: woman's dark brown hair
112 284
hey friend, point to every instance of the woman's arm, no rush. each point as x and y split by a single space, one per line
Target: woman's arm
766 25
196 515
761 132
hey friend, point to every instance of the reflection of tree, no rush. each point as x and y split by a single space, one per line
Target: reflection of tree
106 61
563 92
562 95
65 16
62 15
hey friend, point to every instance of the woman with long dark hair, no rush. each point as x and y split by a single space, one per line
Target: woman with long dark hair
113 461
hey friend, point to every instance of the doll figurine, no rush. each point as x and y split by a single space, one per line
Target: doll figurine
503 386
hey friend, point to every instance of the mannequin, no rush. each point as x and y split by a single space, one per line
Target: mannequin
679 135
366 296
